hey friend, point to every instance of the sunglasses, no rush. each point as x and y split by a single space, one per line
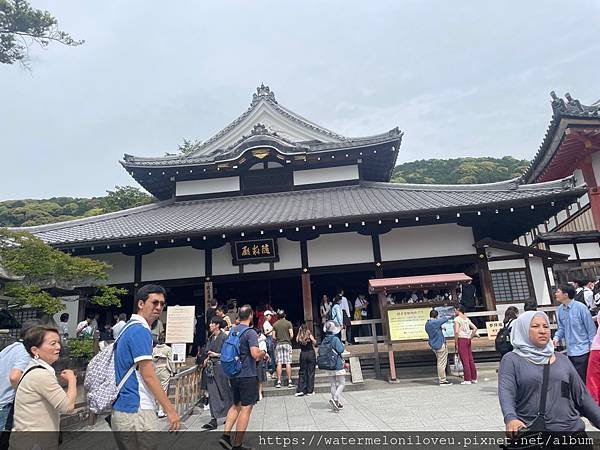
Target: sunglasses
156 303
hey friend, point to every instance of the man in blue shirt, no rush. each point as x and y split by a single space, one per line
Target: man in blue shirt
244 385
13 361
437 342
135 406
576 326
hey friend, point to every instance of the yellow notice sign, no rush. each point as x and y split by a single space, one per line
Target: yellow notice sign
407 324
493 328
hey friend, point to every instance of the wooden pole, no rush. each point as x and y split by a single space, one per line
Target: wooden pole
307 301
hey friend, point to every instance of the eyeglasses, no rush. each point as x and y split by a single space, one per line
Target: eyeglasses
156 303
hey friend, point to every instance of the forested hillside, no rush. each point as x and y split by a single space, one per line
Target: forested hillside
14 213
459 170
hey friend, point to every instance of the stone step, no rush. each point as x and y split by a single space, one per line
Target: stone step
320 388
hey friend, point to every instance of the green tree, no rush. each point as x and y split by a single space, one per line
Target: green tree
42 267
21 26
124 197
188 147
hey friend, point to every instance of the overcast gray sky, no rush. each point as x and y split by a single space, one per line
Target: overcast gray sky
460 78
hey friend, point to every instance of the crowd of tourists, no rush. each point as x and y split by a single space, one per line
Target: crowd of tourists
538 387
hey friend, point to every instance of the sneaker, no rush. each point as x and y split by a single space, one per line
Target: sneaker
299 394
446 383
333 405
311 393
206 407
278 384
465 382
339 405
474 381
161 414
225 442
212 425
290 384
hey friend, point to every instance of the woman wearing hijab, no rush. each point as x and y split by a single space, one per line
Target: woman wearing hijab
520 381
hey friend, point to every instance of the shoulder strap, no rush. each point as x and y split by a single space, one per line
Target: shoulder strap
133 367
124 379
544 392
26 372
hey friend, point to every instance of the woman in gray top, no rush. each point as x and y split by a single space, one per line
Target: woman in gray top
520 381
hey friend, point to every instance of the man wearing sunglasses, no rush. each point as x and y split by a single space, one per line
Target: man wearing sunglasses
134 409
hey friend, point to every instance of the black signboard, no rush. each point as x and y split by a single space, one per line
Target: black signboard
255 251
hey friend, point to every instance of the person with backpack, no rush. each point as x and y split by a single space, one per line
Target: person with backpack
503 345
134 408
239 355
330 359
39 399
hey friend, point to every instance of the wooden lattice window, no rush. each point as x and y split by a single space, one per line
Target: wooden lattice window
510 285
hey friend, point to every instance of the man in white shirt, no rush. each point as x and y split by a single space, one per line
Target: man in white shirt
347 317
588 294
84 328
119 325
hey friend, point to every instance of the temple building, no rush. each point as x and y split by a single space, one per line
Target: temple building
571 147
277 209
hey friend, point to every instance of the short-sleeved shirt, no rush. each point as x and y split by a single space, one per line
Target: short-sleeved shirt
249 339
134 345
12 357
282 331
267 328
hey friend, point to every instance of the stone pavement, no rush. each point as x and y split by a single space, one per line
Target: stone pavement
416 404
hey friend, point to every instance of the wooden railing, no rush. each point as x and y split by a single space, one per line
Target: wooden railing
186 388
375 339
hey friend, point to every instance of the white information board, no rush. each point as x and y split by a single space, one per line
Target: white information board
180 324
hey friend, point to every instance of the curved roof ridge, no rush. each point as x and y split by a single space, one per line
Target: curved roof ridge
506 185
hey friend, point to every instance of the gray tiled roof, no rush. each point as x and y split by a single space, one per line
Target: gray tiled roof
295 208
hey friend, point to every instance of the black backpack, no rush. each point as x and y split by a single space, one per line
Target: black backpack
328 356
503 345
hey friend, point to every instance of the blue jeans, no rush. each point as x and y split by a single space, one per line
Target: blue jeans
6 417
271 352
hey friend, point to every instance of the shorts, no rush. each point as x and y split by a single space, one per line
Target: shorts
244 390
283 353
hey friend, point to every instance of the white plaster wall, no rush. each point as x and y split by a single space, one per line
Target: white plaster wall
289 255
426 242
262 267
71 306
584 200
588 250
552 223
497 252
221 261
561 216
327 175
567 249
122 270
538 277
342 248
596 166
504 265
173 263
212 186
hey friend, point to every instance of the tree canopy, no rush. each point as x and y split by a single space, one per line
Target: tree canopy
459 170
17 213
21 26
43 268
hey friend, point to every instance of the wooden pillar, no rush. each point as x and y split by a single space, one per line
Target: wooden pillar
307 301
485 279
137 278
306 289
593 193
